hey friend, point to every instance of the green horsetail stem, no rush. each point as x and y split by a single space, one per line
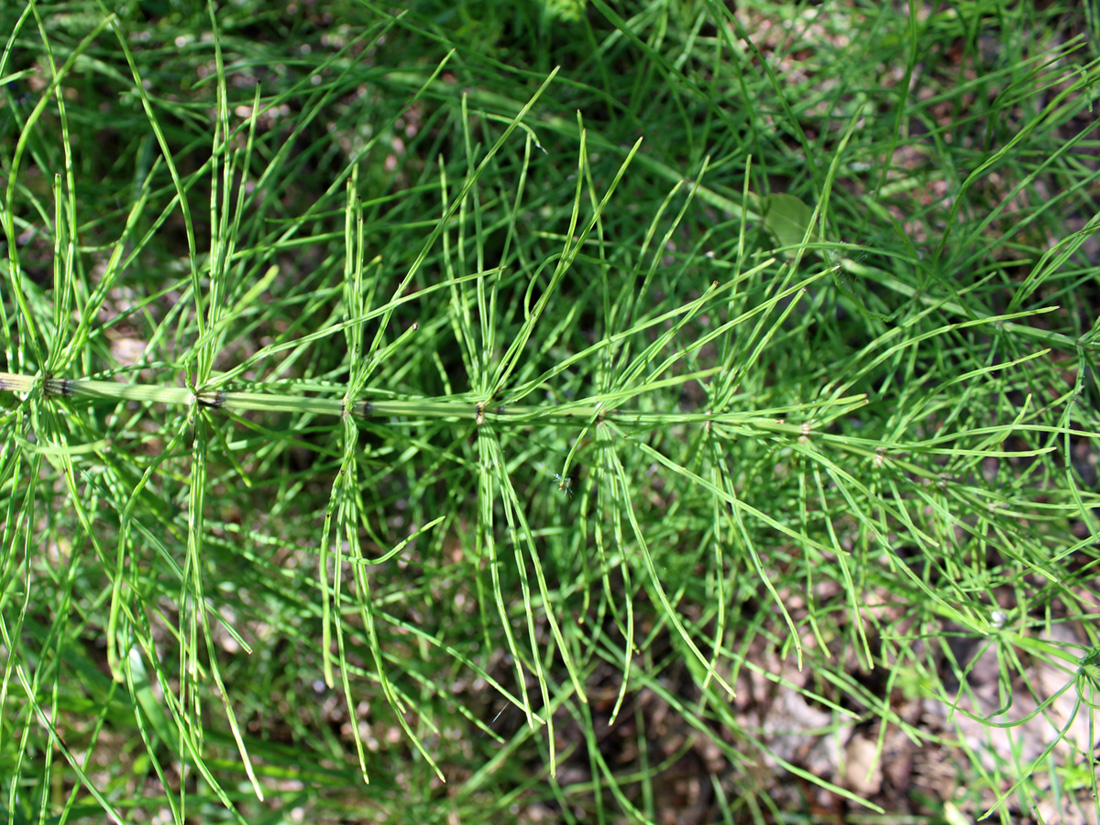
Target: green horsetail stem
592 409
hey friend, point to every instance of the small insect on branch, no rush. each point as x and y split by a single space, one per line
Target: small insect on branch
565 484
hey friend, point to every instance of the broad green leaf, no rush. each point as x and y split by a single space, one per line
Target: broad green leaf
787 217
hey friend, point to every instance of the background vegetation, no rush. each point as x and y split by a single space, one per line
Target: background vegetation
731 450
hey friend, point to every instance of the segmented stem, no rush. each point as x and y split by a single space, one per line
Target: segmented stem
455 408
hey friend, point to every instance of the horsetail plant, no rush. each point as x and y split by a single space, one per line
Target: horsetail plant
457 403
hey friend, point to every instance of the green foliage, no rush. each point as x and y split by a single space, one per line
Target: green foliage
488 401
